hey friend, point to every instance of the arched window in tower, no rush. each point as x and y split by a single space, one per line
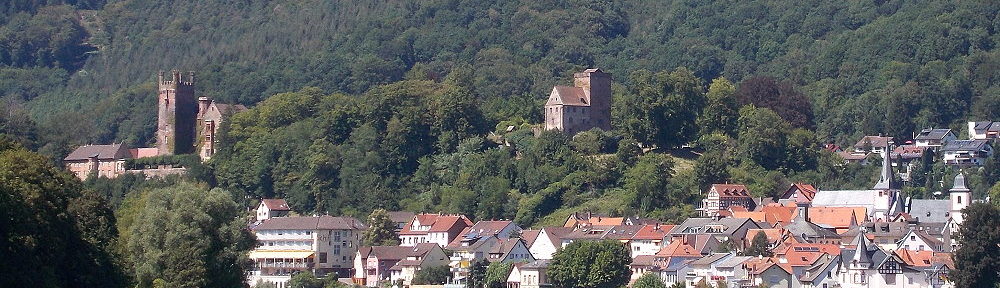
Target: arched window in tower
960 200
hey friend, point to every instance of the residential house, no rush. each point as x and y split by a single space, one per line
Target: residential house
867 265
548 241
768 272
703 269
840 219
401 218
984 130
821 273
966 152
433 228
720 197
99 160
649 239
270 208
588 219
873 144
533 274
905 155
723 229
286 245
799 192
421 256
373 264
917 240
934 265
934 138
804 231
509 250
884 234
500 229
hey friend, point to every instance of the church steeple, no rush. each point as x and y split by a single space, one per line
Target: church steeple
885 181
961 197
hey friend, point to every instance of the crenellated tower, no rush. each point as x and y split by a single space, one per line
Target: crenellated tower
177 110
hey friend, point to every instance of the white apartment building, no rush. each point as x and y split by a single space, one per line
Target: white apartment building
322 244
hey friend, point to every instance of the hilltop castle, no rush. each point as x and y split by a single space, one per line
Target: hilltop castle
184 125
584 106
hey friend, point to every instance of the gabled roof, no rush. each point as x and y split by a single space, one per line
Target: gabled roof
529 236
484 228
569 96
710 259
807 192
930 211
838 217
101 152
311 223
985 126
678 249
652 232
623 232
908 152
275 204
845 198
438 223
932 134
401 216
966 145
731 190
874 141
930 240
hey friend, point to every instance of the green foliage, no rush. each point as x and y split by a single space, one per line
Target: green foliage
720 108
189 237
304 279
648 180
381 230
62 237
602 264
435 275
649 280
496 274
762 136
660 108
759 246
477 274
978 257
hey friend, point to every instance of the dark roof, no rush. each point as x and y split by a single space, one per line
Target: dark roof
874 141
802 230
930 211
932 134
102 152
311 223
229 108
966 145
988 126
400 216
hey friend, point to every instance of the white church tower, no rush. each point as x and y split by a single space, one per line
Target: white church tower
961 197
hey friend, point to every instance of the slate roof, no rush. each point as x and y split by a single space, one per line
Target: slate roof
484 228
931 211
102 152
802 230
401 216
966 145
932 134
734 261
311 223
845 198
537 264
987 126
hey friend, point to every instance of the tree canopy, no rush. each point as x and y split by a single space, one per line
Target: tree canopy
593 264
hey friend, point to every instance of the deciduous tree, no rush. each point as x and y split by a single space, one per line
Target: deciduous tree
589 264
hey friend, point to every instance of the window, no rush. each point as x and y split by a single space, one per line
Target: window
336 249
959 199
322 257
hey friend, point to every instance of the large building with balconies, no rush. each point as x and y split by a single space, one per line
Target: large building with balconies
286 245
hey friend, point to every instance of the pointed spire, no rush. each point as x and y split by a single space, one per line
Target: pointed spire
861 245
885 181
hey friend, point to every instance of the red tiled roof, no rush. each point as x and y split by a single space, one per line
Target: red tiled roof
529 236
566 95
731 190
653 232
678 249
438 223
837 217
276 204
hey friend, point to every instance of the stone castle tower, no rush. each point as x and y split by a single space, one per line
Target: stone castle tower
177 109
584 106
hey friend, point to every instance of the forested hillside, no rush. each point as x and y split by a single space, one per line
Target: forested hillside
932 63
